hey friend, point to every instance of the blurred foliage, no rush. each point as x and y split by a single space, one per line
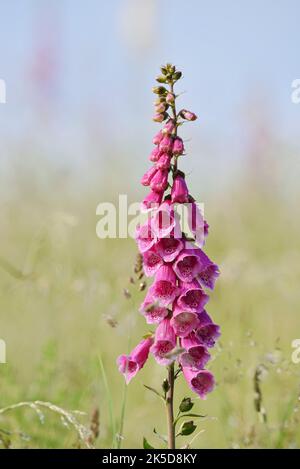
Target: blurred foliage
62 308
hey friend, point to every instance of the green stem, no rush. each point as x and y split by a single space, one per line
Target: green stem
169 408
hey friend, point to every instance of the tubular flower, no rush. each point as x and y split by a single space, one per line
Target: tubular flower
182 271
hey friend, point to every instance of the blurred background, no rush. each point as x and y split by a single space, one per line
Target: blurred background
75 131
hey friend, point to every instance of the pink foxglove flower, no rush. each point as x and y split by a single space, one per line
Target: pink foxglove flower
187 265
188 115
169 248
157 138
201 382
169 127
192 297
153 313
145 236
179 192
166 144
146 179
152 261
129 365
165 341
183 322
207 332
155 154
164 161
159 181
164 288
174 256
196 355
165 220
178 147
152 200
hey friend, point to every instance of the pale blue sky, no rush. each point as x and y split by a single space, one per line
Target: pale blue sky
232 53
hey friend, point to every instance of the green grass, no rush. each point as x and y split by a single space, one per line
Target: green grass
61 290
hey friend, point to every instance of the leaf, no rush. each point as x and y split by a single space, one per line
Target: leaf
146 444
186 404
154 391
187 428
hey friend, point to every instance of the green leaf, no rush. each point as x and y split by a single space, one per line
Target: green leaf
146 444
186 404
154 391
187 428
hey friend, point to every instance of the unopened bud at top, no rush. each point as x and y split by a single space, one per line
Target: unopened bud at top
169 127
170 98
159 117
188 115
159 90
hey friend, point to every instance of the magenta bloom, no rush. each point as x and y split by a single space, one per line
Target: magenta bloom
183 322
169 248
201 382
196 355
179 192
170 98
165 341
145 236
152 200
155 154
153 313
187 265
178 147
207 331
159 181
209 271
157 138
188 115
129 365
165 220
169 128
166 144
164 288
164 161
197 224
146 179
158 117
152 261
192 297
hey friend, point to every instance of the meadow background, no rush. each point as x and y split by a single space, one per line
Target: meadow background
76 131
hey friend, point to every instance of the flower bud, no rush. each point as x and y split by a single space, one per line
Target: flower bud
176 76
160 108
158 117
159 90
186 404
170 98
178 147
169 127
161 79
157 138
166 144
188 115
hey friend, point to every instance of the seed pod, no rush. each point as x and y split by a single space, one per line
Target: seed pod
161 79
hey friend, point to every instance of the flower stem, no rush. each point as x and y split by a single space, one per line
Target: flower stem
169 407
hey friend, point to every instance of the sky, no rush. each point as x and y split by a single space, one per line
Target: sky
238 57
